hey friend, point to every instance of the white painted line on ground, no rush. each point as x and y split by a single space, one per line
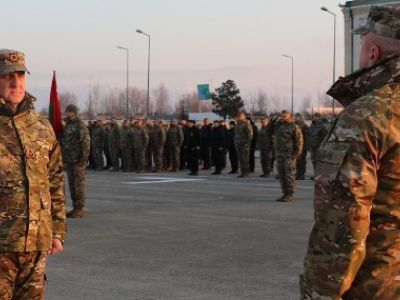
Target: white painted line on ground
167 180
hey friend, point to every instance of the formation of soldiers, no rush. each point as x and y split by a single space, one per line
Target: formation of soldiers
144 145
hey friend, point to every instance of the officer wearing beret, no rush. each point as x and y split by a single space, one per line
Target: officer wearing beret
32 202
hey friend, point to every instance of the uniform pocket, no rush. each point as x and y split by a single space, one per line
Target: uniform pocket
330 158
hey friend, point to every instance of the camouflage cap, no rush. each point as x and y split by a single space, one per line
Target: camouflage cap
12 61
382 20
72 108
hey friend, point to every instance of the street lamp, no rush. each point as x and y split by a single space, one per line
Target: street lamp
291 58
148 72
127 78
323 8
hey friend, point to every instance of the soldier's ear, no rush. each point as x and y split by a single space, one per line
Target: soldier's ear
374 54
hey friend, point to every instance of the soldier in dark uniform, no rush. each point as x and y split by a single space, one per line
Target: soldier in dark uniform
318 131
205 133
193 147
76 148
218 145
288 147
183 154
301 164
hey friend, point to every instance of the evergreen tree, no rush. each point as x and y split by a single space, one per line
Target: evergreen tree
226 100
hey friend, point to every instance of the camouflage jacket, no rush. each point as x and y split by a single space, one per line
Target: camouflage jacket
113 136
175 136
354 246
126 138
98 137
140 137
288 140
318 131
75 141
264 138
243 132
158 136
32 201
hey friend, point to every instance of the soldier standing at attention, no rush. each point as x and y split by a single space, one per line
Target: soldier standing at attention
230 144
253 145
76 147
148 125
354 246
158 140
32 202
175 141
288 147
301 164
140 142
243 138
126 146
113 136
318 131
193 147
205 133
265 145
98 139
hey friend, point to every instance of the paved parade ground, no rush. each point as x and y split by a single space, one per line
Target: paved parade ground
172 236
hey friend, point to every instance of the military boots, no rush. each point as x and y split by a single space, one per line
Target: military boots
75 213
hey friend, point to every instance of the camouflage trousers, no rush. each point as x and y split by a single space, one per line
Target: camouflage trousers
22 275
77 184
140 159
114 157
265 156
243 151
301 165
287 174
149 157
157 155
127 158
174 152
98 157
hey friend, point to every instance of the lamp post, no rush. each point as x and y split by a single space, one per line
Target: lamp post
291 58
148 72
323 8
127 79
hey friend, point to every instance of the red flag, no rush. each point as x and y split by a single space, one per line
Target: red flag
55 109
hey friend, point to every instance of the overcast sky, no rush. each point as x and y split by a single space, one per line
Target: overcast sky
193 41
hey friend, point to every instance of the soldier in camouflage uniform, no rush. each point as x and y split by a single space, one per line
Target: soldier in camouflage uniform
301 165
76 147
149 159
126 146
32 201
288 147
243 138
98 139
265 145
353 250
113 136
140 142
318 131
175 141
158 137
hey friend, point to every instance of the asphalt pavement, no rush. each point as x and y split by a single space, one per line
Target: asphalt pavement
170 236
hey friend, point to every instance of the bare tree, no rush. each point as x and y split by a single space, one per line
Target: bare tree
67 98
162 105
